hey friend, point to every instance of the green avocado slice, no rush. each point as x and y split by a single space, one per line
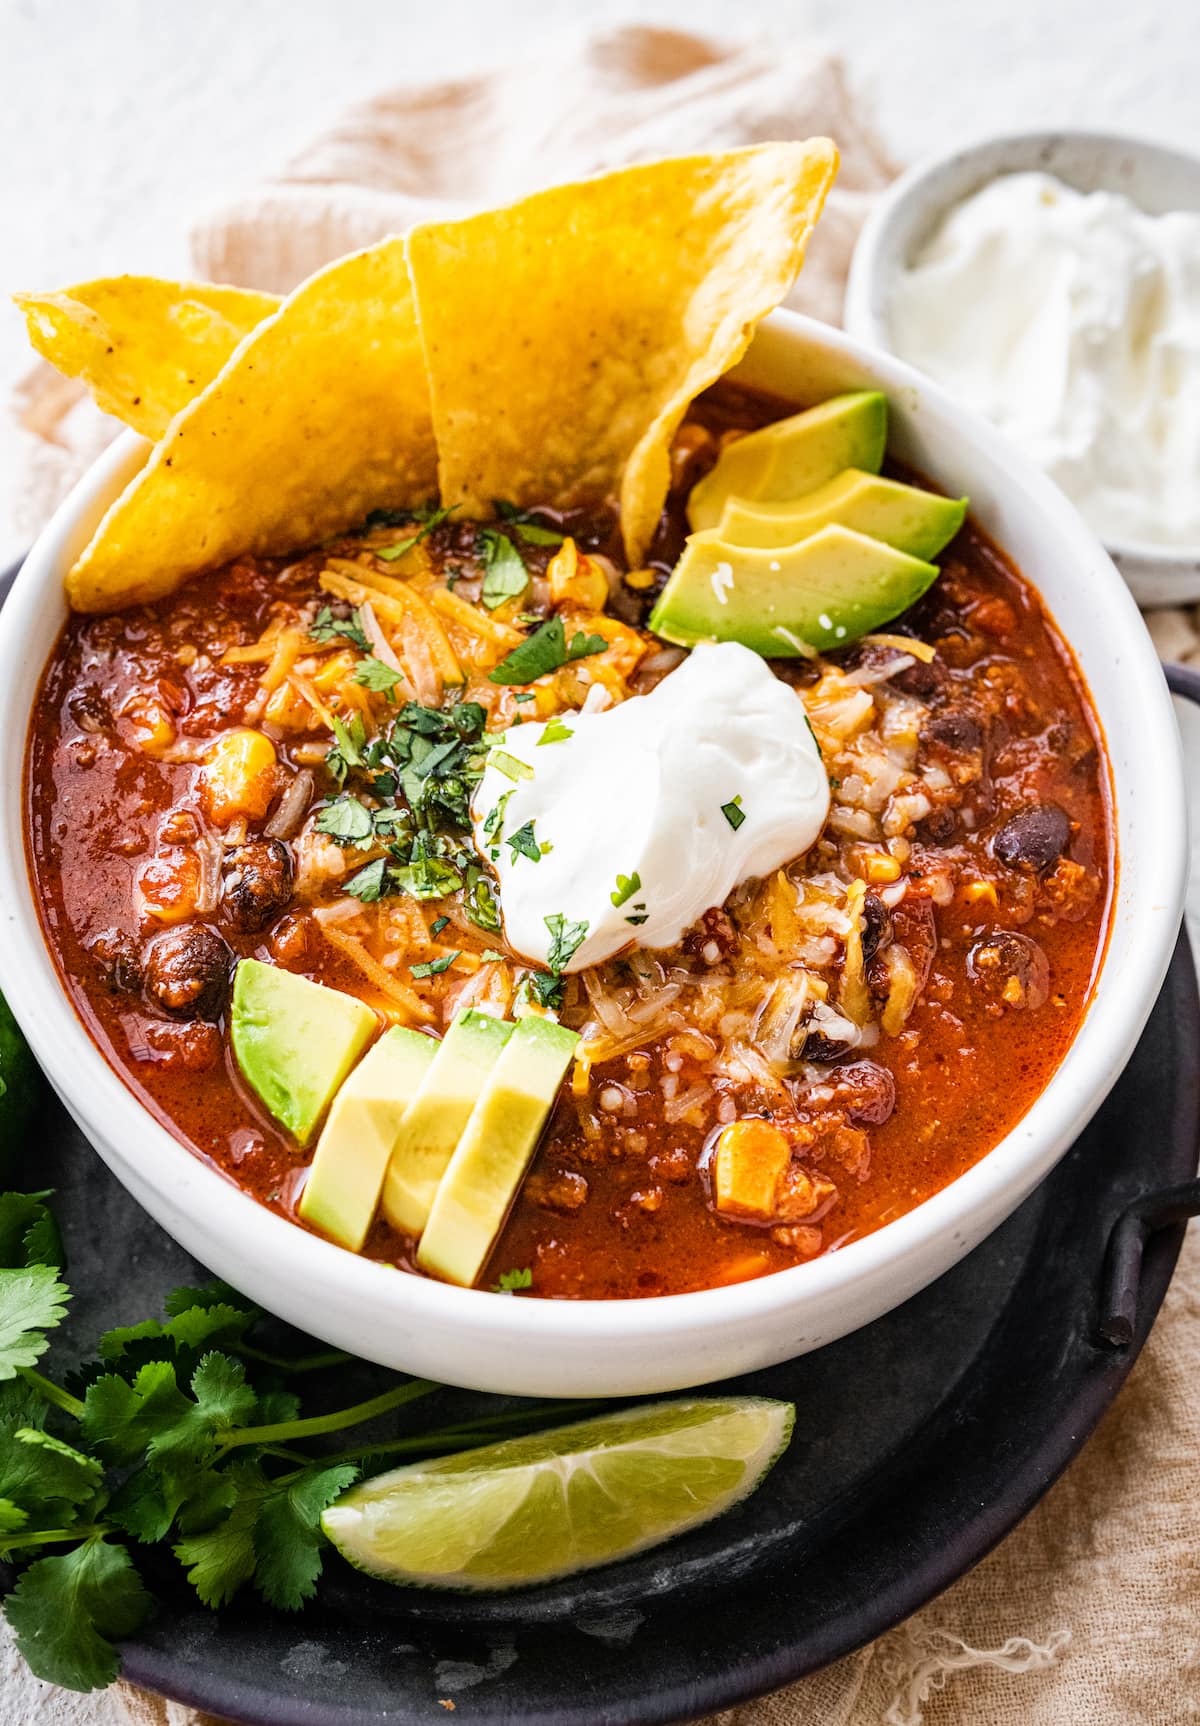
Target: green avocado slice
434 1120
824 592
342 1191
795 455
495 1150
295 1041
916 522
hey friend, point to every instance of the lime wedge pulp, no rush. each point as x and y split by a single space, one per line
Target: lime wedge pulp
530 1509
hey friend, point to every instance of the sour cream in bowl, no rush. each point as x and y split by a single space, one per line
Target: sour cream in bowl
1052 281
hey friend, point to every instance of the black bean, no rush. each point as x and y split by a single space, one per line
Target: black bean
1034 838
117 956
866 1091
90 711
954 728
877 926
938 827
1010 970
824 1050
187 972
258 884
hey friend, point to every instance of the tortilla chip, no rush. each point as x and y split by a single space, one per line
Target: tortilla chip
144 348
319 417
565 335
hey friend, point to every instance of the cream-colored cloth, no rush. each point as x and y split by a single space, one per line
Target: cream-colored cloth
1087 1614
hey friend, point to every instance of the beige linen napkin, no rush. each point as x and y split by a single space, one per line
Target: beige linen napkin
1086 1615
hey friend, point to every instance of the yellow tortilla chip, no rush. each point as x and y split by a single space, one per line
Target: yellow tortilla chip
319 417
565 335
144 348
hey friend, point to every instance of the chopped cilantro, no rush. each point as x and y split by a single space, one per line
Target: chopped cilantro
734 813
351 738
374 674
438 924
326 627
435 967
627 886
431 518
523 843
480 902
523 695
555 732
493 821
490 956
521 521
565 940
511 1281
505 576
370 883
545 650
346 821
509 765
428 878
638 918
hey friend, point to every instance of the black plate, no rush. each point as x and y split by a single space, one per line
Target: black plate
919 1442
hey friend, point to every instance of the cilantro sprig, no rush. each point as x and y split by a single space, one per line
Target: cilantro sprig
545 650
184 1433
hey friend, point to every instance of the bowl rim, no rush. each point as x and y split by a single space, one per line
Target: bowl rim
146 1155
916 197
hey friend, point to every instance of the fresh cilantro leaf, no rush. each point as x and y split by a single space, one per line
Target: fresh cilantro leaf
220 1559
370 883
351 739
32 1301
509 765
346 821
521 522
435 967
565 940
627 886
288 1538
480 902
544 651
46 1476
326 627
505 576
427 878
68 1610
121 1419
555 732
375 675
493 821
547 989
511 1281
525 695
523 844
12 1517
734 813
491 955
215 1293
223 1400
28 1233
638 918
438 924
432 518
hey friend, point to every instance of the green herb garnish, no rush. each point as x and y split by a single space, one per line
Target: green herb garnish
627 886
511 1281
326 627
509 765
490 955
370 883
438 924
430 516
376 675
734 813
555 732
545 650
565 940
435 967
523 843
505 576
522 522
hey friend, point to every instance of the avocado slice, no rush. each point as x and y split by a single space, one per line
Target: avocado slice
824 592
351 1157
917 522
495 1150
795 455
295 1041
435 1118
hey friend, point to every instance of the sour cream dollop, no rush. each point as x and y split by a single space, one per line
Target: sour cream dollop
1073 322
646 815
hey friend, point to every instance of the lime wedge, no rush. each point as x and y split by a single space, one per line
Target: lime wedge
530 1509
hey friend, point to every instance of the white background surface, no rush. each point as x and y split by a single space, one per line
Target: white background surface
123 119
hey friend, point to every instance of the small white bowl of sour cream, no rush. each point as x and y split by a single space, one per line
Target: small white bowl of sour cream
1072 321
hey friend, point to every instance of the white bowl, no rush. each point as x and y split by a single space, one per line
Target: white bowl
1154 177
577 1348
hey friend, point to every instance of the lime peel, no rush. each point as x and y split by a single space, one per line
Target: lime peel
531 1509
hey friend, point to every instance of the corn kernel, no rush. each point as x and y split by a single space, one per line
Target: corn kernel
881 869
980 892
238 777
640 579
